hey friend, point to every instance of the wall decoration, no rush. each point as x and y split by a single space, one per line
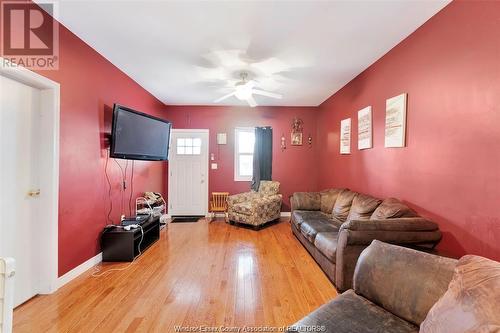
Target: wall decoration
365 135
296 136
310 140
395 121
221 138
283 142
345 136
296 139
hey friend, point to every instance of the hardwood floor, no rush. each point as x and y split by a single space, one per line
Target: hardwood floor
197 274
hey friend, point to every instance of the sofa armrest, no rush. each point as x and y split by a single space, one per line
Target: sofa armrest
262 201
305 201
355 236
397 224
365 237
241 197
269 198
405 282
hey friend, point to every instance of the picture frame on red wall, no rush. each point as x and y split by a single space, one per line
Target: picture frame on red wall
395 121
345 136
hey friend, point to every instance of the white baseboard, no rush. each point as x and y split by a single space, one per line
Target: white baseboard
75 272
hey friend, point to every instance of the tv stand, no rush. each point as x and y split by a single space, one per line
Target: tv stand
118 244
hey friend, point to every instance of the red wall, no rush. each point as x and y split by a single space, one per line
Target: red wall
89 86
450 68
295 168
449 171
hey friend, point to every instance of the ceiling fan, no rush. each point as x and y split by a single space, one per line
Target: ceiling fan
244 91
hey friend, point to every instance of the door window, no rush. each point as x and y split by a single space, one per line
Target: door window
188 146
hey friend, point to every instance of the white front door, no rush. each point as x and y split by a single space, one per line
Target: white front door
20 183
188 172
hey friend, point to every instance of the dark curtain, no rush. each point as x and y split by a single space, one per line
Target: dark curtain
262 156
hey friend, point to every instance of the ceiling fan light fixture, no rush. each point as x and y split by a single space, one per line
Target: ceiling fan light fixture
243 92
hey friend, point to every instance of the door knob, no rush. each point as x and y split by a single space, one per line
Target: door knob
34 193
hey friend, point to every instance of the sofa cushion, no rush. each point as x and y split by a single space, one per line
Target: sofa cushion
299 216
268 187
349 313
306 201
243 208
326 243
336 221
328 198
343 205
363 207
310 228
392 208
472 301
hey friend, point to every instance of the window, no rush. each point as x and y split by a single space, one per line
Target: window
188 146
243 157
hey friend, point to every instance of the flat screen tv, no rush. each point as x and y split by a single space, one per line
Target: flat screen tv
139 136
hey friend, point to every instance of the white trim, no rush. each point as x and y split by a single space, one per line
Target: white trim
49 170
207 170
237 177
7 273
78 270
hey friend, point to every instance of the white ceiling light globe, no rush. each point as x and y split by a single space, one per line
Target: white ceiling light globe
243 92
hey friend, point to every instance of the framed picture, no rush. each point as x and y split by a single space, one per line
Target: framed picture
345 136
395 121
365 134
221 138
296 139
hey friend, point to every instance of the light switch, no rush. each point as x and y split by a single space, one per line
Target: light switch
214 166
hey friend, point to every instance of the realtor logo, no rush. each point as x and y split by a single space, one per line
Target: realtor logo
29 35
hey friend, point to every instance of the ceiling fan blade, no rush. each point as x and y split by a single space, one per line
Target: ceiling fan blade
224 97
251 101
266 93
271 66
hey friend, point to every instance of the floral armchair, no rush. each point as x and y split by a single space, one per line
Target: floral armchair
256 208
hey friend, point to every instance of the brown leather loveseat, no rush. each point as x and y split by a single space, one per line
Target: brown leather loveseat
394 289
335 225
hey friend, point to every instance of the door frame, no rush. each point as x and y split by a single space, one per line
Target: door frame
207 150
48 218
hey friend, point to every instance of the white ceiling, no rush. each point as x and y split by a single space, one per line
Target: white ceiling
184 52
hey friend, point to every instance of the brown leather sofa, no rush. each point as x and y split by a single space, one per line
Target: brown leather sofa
335 225
394 289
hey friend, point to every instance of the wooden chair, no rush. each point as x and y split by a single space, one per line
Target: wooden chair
218 204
